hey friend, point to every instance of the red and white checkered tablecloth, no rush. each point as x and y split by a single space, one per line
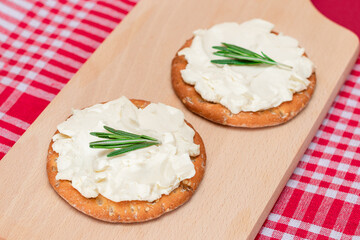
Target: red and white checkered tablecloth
43 43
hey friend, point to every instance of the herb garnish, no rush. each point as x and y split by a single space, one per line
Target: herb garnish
242 56
122 141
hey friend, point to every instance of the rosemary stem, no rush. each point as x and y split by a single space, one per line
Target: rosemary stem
285 66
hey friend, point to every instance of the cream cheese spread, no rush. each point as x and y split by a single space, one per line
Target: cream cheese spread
246 88
143 174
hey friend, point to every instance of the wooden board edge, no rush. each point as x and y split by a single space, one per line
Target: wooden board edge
336 24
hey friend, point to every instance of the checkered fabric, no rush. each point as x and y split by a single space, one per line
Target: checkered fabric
43 43
321 199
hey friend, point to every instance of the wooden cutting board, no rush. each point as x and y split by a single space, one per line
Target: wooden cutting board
246 169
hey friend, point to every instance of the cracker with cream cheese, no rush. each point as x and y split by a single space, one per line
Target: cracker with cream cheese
220 114
128 211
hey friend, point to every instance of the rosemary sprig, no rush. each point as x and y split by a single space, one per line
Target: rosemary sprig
121 141
242 56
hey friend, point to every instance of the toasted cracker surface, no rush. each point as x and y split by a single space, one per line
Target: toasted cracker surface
218 113
128 211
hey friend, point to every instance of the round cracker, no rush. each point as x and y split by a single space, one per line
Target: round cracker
128 211
219 114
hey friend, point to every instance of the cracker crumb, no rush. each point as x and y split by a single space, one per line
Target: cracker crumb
99 201
188 99
111 211
281 113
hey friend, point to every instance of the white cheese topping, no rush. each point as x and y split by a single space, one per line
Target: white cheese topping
246 88
143 174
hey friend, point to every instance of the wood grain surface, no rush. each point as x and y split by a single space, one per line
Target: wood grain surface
246 168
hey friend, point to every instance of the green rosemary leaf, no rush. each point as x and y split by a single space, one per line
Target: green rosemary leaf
117 142
147 137
108 135
131 148
220 48
232 62
121 133
111 147
267 57
246 58
240 50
